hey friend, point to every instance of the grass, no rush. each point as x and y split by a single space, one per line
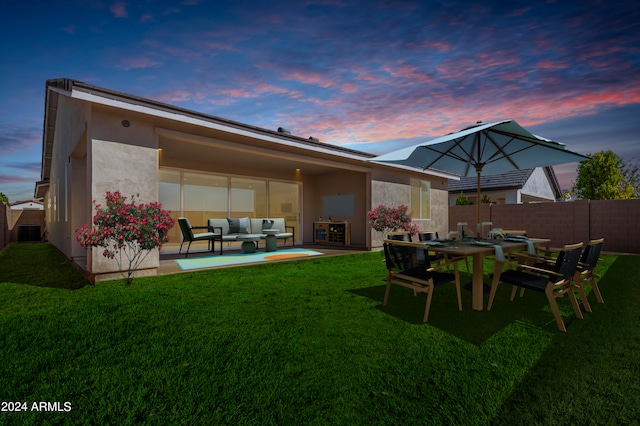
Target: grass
307 342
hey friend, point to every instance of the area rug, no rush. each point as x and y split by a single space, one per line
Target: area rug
240 258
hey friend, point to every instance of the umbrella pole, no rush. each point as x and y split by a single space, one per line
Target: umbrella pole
478 172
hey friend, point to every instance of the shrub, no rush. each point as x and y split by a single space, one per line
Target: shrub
385 218
127 232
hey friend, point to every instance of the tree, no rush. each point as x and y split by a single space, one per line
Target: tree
631 174
127 232
601 178
462 200
4 198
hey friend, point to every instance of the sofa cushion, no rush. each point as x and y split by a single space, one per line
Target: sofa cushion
279 224
220 223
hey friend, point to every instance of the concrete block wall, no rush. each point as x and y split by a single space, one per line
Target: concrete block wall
617 221
4 226
10 221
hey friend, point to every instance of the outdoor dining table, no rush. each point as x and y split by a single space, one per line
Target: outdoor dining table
478 252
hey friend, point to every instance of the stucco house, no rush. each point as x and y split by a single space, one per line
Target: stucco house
535 185
200 166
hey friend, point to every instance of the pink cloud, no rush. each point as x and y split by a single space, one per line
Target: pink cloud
519 12
119 10
551 65
137 63
315 79
6 179
409 73
220 46
341 123
173 96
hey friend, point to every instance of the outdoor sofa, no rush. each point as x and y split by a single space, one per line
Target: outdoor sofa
232 228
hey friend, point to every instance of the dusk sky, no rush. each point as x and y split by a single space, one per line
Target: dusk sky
370 75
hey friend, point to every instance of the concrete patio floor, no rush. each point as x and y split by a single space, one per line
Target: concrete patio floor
168 258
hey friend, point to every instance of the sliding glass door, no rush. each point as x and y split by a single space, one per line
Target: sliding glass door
201 196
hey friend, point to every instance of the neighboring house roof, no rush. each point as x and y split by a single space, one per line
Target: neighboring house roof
515 179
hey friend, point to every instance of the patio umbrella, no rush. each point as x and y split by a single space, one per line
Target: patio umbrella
487 149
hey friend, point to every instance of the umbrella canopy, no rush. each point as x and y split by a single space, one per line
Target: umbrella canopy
488 149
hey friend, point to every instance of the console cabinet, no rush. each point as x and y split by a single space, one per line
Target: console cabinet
332 233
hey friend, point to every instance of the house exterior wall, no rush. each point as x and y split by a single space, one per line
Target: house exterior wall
538 186
130 169
394 189
339 183
72 119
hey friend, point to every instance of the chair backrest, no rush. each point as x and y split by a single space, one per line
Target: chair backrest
185 227
428 235
399 236
402 256
591 253
568 259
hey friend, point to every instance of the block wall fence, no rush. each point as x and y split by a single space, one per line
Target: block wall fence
4 226
617 221
10 221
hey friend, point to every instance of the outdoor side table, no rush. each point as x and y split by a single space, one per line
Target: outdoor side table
249 242
270 239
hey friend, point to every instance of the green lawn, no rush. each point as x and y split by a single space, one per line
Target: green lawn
307 342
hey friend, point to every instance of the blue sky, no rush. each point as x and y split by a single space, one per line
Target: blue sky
371 75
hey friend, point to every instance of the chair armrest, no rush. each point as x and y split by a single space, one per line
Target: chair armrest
534 258
199 227
293 229
538 270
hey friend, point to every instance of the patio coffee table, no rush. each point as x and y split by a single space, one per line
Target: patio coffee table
249 242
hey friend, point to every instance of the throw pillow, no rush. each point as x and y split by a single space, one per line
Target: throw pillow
234 225
267 224
244 225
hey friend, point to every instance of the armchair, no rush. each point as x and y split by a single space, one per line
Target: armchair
189 236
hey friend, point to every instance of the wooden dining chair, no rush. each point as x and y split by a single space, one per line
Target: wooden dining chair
585 272
399 236
408 266
554 282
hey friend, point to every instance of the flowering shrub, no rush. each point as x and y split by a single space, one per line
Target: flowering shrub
384 219
126 229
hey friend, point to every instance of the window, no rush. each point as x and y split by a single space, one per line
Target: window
248 197
420 199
